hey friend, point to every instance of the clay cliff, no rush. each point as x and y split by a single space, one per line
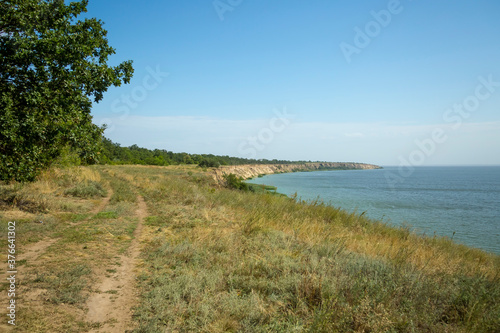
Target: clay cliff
252 171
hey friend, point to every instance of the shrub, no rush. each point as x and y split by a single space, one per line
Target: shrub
207 163
235 182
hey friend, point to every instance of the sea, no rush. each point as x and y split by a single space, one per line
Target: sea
461 203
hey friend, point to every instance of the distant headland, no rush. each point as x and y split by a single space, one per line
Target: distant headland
254 170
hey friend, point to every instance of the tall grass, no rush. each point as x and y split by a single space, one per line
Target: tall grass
87 189
224 260
220 260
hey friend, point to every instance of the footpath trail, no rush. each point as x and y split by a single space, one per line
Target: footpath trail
32 252
113 311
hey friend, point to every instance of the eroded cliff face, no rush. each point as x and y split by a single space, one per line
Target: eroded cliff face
251 171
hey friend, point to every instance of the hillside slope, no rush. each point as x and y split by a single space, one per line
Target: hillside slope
167 249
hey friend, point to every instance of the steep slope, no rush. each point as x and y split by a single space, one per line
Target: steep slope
251 171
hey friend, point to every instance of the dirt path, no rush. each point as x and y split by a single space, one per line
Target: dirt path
112 306
98 209
103 203
33 251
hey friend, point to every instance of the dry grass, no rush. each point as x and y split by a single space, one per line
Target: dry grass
221 260
54 286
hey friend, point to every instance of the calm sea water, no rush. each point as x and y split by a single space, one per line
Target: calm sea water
462 203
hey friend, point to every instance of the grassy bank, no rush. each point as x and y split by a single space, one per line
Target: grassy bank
221 260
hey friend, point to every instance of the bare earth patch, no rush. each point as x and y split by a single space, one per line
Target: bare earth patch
32 252
112 306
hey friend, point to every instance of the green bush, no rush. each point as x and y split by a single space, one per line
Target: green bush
207 163
235 182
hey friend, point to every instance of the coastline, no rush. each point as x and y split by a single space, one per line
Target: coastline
433 201
248 171
231 251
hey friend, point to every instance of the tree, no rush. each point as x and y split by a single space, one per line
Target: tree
209 163
52 67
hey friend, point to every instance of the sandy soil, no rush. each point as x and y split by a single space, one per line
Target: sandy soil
112 306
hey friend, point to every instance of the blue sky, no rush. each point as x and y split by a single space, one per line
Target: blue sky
384 82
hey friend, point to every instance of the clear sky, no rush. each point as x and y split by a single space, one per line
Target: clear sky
383 82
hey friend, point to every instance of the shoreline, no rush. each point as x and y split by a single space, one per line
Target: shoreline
249 171
231 251
422 216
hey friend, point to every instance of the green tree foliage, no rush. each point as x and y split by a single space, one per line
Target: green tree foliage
209 163
52 67
113 153
235 182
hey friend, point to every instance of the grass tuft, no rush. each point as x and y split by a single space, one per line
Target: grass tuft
66 285
87 189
